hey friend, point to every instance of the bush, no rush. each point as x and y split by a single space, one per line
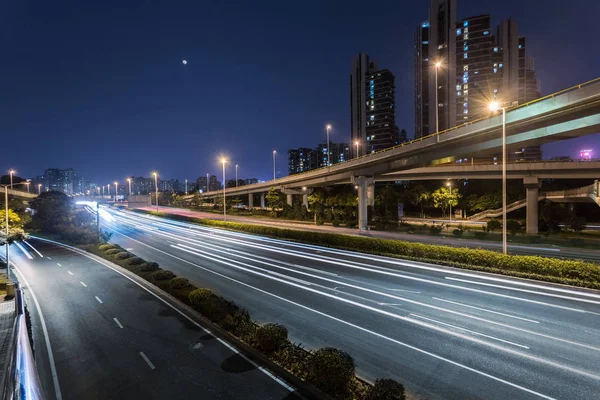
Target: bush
179 283
435 230
271 337
134 261
513 226
149 266
293 358
457 233
336 223
112 251
386 389
480 235
331 370
122 255
578 242
105 247
493 224
239 324
163 275
320 221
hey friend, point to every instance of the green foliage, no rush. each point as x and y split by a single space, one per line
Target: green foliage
199 296
123 255
332 371
112 251
435 230
477 202
445 197
419 196
149 266
293 358
336 223
275 199
513 226
163 275
105 247
552 216
320 221
457 233
134 261
271 337
386 389
493 224
179 283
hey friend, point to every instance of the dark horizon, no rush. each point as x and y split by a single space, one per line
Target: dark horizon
102 88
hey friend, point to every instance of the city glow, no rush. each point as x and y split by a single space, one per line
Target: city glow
586 154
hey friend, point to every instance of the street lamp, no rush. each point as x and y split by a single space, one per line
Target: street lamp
27 183
236 175
494 106
129 182
207 182
224 161
39 188
450 200
116 190
356 144
437 104
156 188
274 153
186 186
328 128
11 172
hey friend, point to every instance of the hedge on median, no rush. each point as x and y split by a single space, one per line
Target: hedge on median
571 272
330 370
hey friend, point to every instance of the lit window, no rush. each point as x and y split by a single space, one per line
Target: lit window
495 70
495 90
465 67
372 107
495 49
458 93
457 87
466 73
466 111
372 117
465 79
425 42
466 23
465 48
466 30
466 55
372 83
486 32
520 46
495 65
425 24
466 92
466 86
476 72
466 105
466 36
427 59
500 65
458 31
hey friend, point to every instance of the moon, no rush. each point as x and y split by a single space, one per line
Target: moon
184 62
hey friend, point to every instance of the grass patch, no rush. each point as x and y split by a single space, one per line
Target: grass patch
570 272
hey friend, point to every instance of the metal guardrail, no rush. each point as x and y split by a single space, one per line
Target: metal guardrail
20 380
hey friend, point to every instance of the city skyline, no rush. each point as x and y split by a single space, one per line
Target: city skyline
145 107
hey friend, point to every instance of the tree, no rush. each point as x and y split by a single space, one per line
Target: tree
386 206
418 196
15 228
274 199
316 200
445 197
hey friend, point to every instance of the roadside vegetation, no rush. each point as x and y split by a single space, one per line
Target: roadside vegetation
570 272
330 370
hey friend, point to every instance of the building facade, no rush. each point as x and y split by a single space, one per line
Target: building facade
306 159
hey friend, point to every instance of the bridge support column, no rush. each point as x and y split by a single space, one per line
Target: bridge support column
532 185
371 195
262 201
363 183
305 200
251 200
289 199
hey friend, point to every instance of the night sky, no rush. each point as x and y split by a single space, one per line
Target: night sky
100 86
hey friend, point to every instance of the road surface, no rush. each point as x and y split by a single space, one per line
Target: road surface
444 333
110 338
522 249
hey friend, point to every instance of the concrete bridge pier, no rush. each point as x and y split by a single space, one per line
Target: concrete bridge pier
262 201
251 201
290 192
305 200
290 199
363 183
532 185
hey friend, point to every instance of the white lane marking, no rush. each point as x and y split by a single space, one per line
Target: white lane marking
34 249
319 271
470 331
48 258
521 290
389 304
70 273
98 298
593 333
252 270
355 326
147 360
486 310
24 250
102 262
403 290
118 323
46 337
129 248
334 261
84 285
59 264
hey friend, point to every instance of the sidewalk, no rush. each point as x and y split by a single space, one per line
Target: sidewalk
7 320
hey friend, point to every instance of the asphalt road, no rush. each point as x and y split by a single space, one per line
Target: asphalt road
522 249
112 339
444 333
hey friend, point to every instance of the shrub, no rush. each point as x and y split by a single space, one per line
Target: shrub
105 247
134 261
123 255
293 358
336 223
111 252
149 266
239 323
457 233
386 389
271 337
163 275
179 283
578 242
513 226
320 221
198 296
480 235
331 370
493 224
435 230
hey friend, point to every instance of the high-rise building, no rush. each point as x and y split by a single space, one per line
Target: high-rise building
422 73
338 152
372 107
213 183
202 183
302 159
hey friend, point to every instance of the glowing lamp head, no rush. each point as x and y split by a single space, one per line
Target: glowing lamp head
438 64
223 161
494 106
328 126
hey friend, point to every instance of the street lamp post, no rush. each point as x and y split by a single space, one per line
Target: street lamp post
11 172
116 190
223 161
129 182
327 128
236 175
437 104
156 188
274 153
39 188
450 201
28 183
186 186
356 144
494 106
